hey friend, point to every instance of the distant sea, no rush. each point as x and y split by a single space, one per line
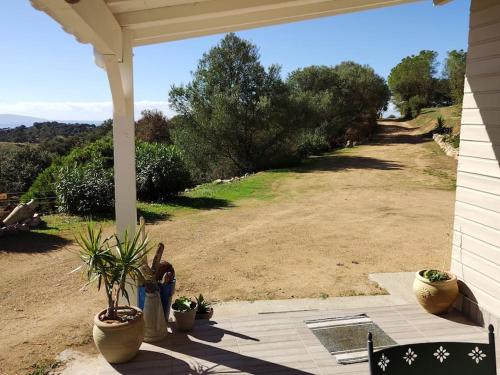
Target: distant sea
11 121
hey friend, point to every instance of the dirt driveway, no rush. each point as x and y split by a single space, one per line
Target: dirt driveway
382 207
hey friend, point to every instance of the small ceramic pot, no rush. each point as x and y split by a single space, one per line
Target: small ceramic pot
205 316
184 320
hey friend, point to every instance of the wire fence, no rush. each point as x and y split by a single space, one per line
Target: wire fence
9 200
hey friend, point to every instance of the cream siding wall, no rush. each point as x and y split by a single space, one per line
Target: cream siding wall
476 241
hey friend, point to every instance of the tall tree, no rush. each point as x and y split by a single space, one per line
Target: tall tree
454 71
153 126
339 97
234 115
413 78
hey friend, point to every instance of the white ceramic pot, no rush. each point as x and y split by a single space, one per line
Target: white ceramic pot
154 319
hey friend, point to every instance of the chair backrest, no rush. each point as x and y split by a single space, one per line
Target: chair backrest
441 358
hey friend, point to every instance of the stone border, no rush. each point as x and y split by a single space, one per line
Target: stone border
445 146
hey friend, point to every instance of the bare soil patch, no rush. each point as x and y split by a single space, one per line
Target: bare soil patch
382 207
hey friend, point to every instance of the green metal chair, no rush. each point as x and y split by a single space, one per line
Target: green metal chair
439 358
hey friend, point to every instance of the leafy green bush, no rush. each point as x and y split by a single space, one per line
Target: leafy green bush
455 141
161 171
312 143
85 189
20 165
43 188
416 103
441 127
82 181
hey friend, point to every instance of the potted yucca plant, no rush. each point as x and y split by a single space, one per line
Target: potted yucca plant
113 264
435 290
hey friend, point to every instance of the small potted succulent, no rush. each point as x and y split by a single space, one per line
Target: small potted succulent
184 312
113 263
435 290
205 310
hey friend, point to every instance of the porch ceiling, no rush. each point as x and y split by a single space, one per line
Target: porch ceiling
99 22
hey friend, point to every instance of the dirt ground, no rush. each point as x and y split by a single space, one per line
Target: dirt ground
382 207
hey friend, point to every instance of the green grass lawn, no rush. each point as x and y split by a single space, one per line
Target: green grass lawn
428 118
205 197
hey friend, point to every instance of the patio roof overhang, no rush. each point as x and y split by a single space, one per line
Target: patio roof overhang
101 22
114 27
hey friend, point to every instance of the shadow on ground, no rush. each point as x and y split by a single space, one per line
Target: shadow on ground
200 203
196 203
396 134
211 356
336 162
31 242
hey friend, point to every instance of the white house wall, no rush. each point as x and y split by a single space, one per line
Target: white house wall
476 242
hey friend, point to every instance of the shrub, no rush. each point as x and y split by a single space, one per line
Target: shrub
455 141
43 188
161 171
20 165
440 127
85 189
82 181
416 103
312 143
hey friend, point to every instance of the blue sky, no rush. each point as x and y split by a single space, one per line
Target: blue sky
46 73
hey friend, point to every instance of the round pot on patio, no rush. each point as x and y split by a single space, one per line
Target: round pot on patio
184 320
435 297
119 342
206 315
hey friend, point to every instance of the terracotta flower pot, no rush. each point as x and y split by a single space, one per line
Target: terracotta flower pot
205 316
184 320
119 342
435 297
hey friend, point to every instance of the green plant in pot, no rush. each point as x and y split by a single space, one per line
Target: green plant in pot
113 264
205 310
184 312
435 290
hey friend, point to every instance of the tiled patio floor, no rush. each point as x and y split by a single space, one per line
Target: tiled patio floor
280 343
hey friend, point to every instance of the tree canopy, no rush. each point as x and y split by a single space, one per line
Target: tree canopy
339 97
153 126
413 78
235 115
454 71
415 82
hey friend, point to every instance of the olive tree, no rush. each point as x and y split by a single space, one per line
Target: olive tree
235 115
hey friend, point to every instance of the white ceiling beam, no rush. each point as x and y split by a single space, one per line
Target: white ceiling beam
91 21
198 11
119 6
176 31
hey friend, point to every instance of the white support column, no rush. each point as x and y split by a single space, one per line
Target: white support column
120 75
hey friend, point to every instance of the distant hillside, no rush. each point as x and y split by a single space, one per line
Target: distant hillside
45 131
427 119
11 121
